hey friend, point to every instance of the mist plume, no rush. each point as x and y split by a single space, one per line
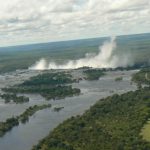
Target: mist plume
106 58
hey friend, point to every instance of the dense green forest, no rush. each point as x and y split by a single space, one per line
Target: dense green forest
55 93
113 123
142 77
13 97
24 117
93 74
119 79
52 79
49 85
8 125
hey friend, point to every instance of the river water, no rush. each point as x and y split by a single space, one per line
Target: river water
24 136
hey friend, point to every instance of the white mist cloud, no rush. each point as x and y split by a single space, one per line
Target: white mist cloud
40 65
106 58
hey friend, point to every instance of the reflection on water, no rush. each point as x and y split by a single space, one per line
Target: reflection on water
24 136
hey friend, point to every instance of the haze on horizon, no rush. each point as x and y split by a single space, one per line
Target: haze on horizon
37 21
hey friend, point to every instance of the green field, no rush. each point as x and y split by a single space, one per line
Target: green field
146 132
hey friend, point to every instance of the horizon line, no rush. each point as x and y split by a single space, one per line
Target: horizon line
37 43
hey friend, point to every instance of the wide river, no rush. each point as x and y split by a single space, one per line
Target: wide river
24 136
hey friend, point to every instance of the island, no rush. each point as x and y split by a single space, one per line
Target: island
14 98
117 122
119 79
142 77
57 109
49 85
24 117
93 74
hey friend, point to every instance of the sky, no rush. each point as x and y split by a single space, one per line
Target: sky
37 21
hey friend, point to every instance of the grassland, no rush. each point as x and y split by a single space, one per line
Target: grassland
145 132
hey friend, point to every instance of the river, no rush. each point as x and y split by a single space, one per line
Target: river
24 136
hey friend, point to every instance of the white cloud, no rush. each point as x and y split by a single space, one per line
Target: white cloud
25 21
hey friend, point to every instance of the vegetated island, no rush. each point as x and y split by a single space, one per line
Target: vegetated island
24 117
57 109
13 97
113 123
49 85
93 74
119 79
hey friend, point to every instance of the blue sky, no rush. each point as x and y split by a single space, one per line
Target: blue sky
36 21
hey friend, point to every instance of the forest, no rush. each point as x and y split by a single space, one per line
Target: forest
24 117
93 74
113 123
142 77
58 78
119 79
13 97
49 85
